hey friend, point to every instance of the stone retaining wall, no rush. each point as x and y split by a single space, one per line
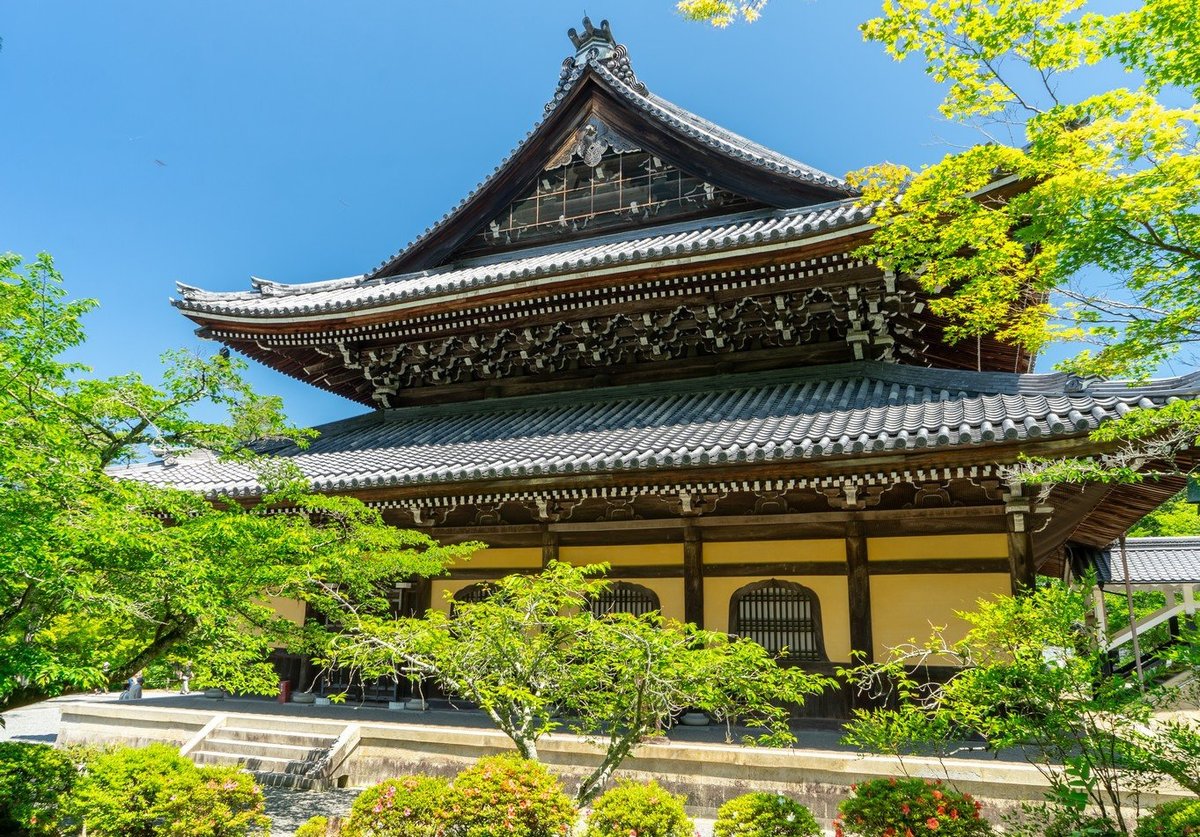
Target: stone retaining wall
707 773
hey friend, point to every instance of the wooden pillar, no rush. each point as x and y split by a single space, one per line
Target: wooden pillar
422 597
549 547
693 576
858 583
1020 544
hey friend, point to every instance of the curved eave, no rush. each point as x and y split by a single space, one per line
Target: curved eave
343 301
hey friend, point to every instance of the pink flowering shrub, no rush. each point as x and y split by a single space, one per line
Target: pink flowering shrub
409 806
509 795
631 808
153 791
909 808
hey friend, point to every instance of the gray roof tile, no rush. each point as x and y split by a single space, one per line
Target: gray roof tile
1151 561
800 414
273 299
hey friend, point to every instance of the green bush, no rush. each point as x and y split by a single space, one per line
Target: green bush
512 796
765 815
884 807
645 810
34 779
1175 819
314 827
212 802
410 806
155 792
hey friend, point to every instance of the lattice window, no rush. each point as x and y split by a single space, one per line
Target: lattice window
779 615
480 591
622 189
623 597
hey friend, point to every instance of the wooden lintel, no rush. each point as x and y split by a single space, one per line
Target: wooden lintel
934 566
768 569
618 525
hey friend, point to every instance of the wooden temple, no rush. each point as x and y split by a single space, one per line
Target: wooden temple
648 341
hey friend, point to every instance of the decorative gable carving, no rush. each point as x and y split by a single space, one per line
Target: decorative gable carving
599 182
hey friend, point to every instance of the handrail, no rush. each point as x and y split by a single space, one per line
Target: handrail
215 722
1156 618
346 743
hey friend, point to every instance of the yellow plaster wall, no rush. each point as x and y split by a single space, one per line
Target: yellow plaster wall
907 607
740 552
290 609
937 546
623 555
831 592
670 594
526 558
439 600
669 590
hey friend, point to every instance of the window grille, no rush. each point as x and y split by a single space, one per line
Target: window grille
623 188
472 594
781 617
623 597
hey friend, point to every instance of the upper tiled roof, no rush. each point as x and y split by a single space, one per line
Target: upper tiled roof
794 416
1151 561
272 299
611 65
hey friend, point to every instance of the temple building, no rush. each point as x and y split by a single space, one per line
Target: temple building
646 340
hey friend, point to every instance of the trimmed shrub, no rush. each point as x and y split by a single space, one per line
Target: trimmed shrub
314 827
763 814
1174 819
153 791
512 796
409 806
645 810
885 807
34 780
212 802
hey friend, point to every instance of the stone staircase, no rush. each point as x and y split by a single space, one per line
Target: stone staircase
279 752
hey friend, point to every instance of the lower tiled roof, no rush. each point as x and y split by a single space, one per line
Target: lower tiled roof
1151 561
797 415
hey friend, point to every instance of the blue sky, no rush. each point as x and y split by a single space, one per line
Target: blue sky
148 143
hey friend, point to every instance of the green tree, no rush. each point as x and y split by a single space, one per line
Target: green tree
1032 679
1009 237
534 650
97 570
1173 519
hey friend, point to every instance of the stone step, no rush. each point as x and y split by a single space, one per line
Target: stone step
292 725
255 764
291 781
311 740
266 749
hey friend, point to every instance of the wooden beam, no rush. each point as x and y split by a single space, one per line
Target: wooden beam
774 568
858 585
767 569
549 548
693 577
938 566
